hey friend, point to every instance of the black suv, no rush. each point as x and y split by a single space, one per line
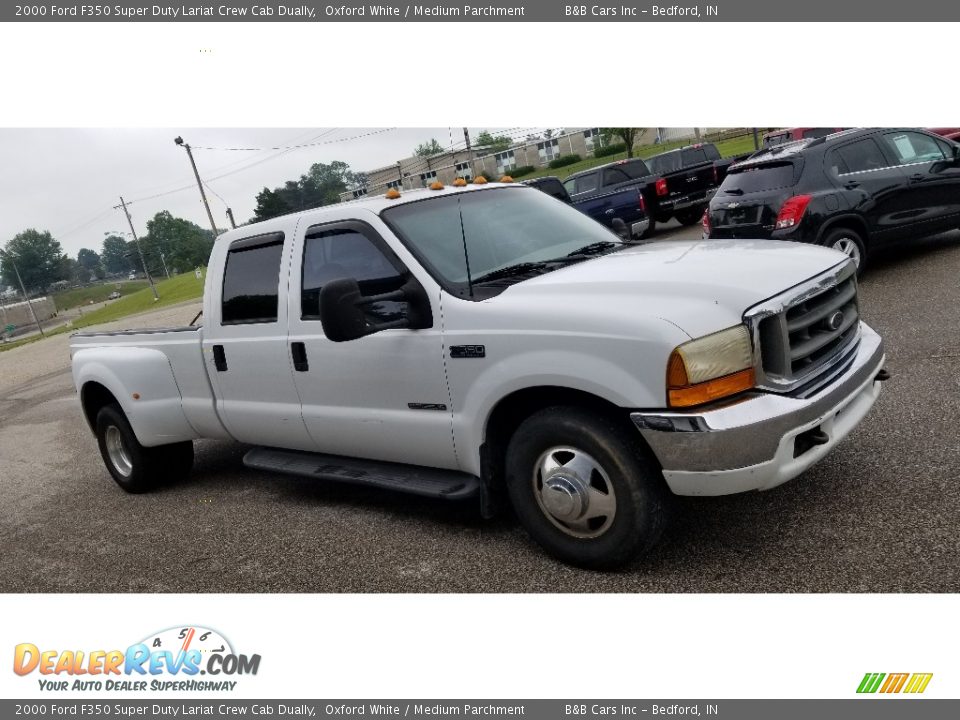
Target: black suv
852 191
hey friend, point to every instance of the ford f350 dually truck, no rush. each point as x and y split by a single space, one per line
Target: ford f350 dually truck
492 342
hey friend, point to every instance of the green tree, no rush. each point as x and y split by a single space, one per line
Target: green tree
38 257
429 149
90 262
113 256
486 140
321 185
182 243
627 135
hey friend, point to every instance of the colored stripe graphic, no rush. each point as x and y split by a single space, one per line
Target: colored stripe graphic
870 682
894 683
918 682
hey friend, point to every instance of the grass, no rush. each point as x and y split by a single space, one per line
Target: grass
728 148
94 293
175 290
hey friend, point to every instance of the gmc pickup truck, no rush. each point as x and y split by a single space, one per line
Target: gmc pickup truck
490 342
686 180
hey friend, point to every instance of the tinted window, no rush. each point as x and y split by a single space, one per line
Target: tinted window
613 176
861 156
693 156
250 281
634 169
348 253
570 186
586 183
909 147
712 152
662 164
757 178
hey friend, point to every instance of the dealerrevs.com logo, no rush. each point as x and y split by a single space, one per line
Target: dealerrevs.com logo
172 659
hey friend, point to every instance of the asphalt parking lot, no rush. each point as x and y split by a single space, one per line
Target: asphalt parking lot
880 514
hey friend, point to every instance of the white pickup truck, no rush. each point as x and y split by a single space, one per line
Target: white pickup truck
489 341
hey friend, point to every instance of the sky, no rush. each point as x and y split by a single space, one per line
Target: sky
67 181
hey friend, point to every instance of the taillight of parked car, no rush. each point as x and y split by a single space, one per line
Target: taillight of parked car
705 222
643 203
661 186
792 211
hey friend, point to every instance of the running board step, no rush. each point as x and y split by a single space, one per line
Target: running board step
428 482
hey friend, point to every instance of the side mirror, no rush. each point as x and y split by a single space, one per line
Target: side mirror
343 317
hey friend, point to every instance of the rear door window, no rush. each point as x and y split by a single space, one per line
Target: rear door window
759 178
612 176
860 156
586 183
635 169
251 280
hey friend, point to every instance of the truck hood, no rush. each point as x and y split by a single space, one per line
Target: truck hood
699 286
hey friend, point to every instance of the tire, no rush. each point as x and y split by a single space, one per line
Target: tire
136 468
662 218
689 216
616 515
651 228
850 243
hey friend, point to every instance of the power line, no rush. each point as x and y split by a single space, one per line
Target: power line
297 147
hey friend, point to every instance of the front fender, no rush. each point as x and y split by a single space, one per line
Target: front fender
156 414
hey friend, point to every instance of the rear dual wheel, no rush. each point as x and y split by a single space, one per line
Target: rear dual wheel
134 467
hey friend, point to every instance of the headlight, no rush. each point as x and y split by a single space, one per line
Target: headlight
712 367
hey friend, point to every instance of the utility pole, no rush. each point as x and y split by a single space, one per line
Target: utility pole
136 241
233 223
163 260
756 141
179 141
466 139
6 256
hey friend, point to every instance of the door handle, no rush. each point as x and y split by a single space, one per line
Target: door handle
916 177
299 352
219 358
852 184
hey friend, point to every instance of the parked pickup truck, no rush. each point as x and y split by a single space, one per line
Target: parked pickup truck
614 191
686 180
489 342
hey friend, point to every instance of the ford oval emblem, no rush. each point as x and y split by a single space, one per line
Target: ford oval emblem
733 205
835 321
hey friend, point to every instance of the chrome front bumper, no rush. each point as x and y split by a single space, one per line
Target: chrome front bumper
751 443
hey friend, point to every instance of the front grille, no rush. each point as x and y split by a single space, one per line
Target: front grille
809 331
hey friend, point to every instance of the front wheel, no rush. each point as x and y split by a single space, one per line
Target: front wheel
850 244
134 467
585 488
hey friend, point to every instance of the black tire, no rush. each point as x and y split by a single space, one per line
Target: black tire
689 216
663 218
849 242
651 228
136 468
633 474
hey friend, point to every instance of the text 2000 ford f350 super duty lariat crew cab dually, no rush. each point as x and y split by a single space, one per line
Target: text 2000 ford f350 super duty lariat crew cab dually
491 341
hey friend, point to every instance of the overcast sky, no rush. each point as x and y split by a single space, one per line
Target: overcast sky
68 180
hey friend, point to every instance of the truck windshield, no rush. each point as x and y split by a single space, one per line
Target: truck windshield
467 238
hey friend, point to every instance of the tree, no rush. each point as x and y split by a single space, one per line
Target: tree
113 256
321 185
38 257
628 135
182 243
486 140
89 260
429 149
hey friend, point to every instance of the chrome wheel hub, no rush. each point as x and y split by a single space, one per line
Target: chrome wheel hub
574 492
117 451
850 248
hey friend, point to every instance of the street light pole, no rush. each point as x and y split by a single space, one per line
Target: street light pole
179 141
136 241
164 261
6 256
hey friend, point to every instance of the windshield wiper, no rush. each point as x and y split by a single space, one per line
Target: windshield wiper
592 249
509 271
